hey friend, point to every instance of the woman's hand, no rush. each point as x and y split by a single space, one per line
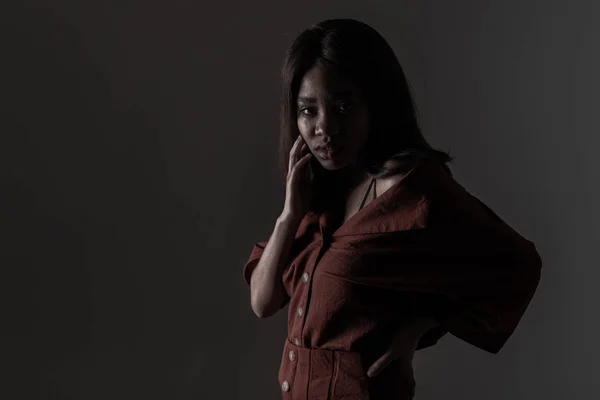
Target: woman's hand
298 192
403 346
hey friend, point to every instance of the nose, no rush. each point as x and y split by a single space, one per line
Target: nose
327 124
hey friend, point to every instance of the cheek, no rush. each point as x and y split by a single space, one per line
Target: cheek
365 128
302 126
304 130
360 129
363 121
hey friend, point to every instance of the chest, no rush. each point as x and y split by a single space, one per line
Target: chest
354 198
352 203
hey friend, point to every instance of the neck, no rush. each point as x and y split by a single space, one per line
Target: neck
352 176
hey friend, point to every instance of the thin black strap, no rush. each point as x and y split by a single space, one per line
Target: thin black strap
374 188
367 194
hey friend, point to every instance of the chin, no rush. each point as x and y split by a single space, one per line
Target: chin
342 160
334 167
334 164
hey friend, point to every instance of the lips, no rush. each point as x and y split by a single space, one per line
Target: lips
328 146
328 152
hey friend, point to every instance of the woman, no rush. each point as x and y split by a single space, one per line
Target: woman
378 250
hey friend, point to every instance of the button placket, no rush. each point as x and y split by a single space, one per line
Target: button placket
285 385
301 312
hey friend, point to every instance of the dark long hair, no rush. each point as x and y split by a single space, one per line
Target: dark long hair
359 53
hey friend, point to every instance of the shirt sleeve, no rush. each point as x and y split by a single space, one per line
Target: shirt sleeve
431 337
475 280
479 273
255 254
301 239
477 290
428 305
485 308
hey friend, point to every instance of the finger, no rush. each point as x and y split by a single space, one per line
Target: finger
302 152
409 372
303 161
293 156
408 367
299 150
380 364
299 147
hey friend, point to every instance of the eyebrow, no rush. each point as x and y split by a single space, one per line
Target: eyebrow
337 95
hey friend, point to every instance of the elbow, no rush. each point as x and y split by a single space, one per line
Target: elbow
258 307
264 309
258 312
261 312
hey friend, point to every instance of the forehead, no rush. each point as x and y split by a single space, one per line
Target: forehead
319 82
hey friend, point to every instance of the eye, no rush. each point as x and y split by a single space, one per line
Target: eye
305 111
345 108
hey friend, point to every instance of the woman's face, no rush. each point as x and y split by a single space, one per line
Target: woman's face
332 118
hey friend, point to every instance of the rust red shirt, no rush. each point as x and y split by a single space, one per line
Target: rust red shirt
425 245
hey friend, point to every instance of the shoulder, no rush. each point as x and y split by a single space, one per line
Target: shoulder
422 193
450 205
383 184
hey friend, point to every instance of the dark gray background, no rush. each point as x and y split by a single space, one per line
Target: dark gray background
138 163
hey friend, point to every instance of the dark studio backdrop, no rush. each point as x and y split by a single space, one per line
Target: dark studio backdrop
138 167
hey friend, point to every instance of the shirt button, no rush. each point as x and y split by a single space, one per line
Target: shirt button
305 277
285 386
297 341
300 312
292 355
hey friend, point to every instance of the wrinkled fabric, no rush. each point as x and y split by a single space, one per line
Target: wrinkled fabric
425 246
